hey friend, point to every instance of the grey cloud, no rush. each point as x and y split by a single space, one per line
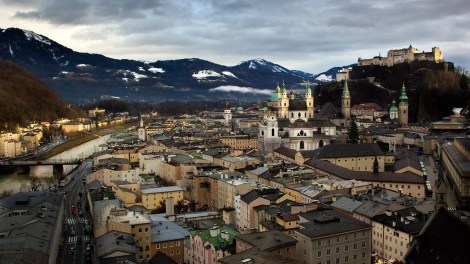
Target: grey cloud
315 34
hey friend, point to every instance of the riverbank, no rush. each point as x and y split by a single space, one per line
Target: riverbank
81 139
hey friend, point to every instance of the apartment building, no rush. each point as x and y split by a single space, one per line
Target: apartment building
331 237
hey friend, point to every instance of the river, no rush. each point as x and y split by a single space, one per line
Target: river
14 180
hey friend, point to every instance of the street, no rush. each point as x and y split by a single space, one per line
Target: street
432 174
76 218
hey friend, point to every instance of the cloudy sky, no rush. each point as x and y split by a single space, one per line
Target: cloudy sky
299 34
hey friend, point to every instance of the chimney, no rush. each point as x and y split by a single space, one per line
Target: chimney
170 208
214 231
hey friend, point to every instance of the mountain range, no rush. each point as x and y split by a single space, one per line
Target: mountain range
83 77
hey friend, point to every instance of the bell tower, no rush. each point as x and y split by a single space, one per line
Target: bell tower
403 107
346 101
309 101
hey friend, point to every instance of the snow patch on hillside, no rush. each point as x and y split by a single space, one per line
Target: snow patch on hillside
138 76
227 73
31 35
324 78
239 89
83 65
205 74
156 70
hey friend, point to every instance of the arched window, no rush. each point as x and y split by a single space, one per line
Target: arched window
302 145
272 132
305 114
292 115
262 133
299 115
321 143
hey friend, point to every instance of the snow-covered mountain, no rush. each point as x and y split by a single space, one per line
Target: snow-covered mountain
84 77
330 75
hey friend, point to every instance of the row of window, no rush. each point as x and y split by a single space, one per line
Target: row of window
171 244
346 259
346 238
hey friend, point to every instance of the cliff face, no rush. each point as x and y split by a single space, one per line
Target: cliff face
25 98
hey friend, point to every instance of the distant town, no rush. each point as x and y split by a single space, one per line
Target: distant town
281 181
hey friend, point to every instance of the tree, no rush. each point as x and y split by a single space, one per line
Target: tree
353 133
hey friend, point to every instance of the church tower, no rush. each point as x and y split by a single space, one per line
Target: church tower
284 102
403 107
394 110
346 101
440 188
291 94
142 131
309 101
227 114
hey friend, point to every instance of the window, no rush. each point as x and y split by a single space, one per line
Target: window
319 243
288 249
328 252
355 257
346 248
178 252
346 259
363 254
158 246
355 245
172 253
319 254
337 250
164 245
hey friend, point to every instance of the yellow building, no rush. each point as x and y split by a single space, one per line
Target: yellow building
228 188
72 127
128 193
154 198
240 141
355 157
108 217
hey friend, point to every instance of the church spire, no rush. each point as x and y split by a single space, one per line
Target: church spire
308 91
345 88
403 97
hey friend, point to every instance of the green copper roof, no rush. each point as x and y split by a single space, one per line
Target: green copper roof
217 241
284 91
345 88
275 97
264 108
278 89
403 97
307 89
394 107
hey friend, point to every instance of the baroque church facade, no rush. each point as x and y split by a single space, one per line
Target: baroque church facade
290 122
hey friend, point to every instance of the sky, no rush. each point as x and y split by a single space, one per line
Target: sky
307 35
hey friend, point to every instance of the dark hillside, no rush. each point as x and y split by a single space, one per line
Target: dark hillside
25 98
433 89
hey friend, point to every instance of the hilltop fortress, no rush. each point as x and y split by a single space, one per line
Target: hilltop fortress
396 56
